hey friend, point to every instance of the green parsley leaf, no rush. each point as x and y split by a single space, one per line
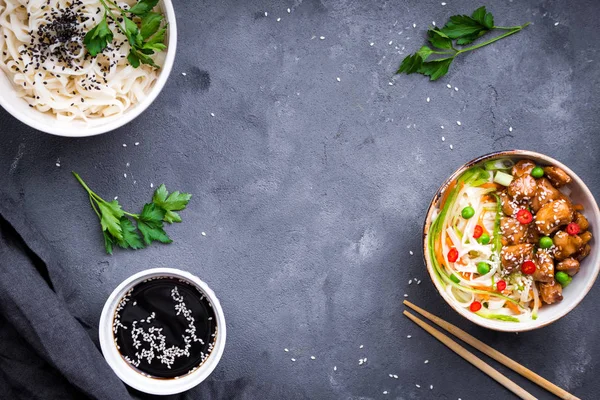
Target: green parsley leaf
436 69
133 59
150 24
439 39
156 41
143 7
110 215
463 30
175 201
150 223
108 244
131 238
98 38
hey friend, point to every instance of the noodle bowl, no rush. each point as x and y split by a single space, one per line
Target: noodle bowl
64 90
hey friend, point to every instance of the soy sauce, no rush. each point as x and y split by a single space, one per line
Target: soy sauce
165 327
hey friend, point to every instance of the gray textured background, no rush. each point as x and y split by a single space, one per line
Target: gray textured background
312 192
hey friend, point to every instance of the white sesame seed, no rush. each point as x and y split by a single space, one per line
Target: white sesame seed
433 23
395 376
449 86
278 19
127 164
365 359
411 252
391 83
312 357
203 233
293 359
361 346
458 123
335 368
125 175
116 197
405 295
455 89
431 387
428 100
136 144
451 147
408 336
443 3
417 385
58 164
510 128
390 43
410 281
443 139
212 114
266 14
414 25
322 38
391 376
426 362
124 145
556 24
372 43
385 392
184 74
289 11
286 350
338 79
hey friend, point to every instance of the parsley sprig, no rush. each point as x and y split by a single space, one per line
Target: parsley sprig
118 228
460 30
139 24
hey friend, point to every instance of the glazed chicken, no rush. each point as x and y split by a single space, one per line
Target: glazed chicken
542 226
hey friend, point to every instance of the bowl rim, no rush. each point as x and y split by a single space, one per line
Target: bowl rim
128 115
505 326
133 378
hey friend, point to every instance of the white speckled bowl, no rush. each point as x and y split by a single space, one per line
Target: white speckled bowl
129 375
582 282
47 123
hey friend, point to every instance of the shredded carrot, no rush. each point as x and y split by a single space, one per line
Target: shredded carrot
438 252
513 307
486 288
489 185
447 193
449 241
578 207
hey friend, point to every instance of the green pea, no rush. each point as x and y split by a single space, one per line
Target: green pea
546 242
454 278
563 278
483 268
537 172
467 212
484 238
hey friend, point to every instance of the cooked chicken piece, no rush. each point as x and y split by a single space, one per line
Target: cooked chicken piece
566 245
582 221
513 256
510 207
513 232
553 215
522 188
532 236
545 266
544 193
551 292
570 266
523 167
586 236
557 176
584 252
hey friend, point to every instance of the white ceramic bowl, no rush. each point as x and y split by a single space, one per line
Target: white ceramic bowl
133 378
582 282
47 123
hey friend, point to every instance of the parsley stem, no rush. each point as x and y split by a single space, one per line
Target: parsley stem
95 208
109 10
477 46
135 216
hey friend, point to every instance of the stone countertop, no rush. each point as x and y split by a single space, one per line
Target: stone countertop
312 191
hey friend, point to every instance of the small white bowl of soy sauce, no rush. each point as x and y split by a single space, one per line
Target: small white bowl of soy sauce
162 331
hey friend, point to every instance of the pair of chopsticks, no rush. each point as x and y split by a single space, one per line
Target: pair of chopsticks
487 350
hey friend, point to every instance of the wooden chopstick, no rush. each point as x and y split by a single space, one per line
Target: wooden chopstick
496 355
473 359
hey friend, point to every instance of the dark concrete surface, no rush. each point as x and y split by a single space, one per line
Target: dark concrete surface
312 192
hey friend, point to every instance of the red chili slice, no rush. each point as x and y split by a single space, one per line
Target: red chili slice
524 216
477 232
453 255
475 306
528 267
501 285
573 229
